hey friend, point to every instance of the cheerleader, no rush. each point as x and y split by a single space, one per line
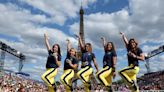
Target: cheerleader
86 68
70 64
134 54
109 62
53 62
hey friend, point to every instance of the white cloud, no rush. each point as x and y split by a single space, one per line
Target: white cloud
148 48
59 10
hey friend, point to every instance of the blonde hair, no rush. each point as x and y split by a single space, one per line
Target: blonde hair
75 51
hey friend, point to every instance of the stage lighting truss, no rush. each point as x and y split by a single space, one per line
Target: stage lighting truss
5 48
152 54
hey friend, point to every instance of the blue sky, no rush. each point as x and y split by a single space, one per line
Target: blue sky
23 23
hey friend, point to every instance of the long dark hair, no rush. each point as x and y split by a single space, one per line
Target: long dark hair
90 47
113 47
134 50
59 52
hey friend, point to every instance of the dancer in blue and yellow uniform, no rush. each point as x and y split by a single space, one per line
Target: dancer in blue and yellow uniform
53 62
86 67
109 61
70 64
134 54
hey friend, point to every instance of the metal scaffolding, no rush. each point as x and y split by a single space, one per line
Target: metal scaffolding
152 54
5 48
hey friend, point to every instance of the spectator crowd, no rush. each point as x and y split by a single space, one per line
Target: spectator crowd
11 82
152 81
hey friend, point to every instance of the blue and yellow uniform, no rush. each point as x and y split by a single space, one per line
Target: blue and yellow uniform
129 73
105 75
51 70
87 70
66 78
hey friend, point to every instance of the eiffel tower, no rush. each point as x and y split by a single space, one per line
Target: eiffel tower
79 53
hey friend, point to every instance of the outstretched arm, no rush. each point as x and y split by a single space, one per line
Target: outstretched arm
114 61
95 64
46 41
124 38
68 45
103 42
114 66
81 43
